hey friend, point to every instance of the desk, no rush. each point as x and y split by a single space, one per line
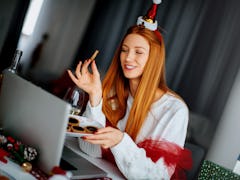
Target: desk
16 171
111 170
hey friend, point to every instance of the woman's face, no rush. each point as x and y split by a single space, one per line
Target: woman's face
134 55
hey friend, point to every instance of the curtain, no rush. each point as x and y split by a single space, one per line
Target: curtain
202 57
208 71
201 44
109 21
14 31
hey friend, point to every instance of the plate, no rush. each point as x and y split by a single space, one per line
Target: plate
83 122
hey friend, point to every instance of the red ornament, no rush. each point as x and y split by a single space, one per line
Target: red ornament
11 139
58 170
3 154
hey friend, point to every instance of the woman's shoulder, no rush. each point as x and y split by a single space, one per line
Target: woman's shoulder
170 101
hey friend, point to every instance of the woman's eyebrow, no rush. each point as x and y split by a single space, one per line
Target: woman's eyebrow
137 47
140 47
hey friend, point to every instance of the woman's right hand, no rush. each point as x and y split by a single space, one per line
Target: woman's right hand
89 82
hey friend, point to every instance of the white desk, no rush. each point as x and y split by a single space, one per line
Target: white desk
16 171
111 170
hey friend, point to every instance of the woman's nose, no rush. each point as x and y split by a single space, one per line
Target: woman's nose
129 56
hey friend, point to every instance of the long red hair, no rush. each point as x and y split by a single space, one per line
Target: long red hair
116 86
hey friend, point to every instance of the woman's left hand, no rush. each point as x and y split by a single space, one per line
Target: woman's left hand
106 137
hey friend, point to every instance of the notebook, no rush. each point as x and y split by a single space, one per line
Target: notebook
40 119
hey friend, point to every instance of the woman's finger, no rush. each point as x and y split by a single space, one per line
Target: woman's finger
78 70
96 136
104 146
105 143
95 141
104 130
74 79
85 66
94 68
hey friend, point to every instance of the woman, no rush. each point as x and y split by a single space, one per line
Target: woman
146 121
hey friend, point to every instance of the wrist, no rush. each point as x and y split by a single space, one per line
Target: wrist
119 142
95 99
120 137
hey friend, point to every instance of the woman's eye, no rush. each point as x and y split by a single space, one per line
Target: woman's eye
123 50
139 52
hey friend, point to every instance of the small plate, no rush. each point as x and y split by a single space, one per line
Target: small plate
83 122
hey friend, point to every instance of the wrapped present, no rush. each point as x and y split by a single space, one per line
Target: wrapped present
210 170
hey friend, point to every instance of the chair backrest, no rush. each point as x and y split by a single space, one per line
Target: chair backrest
198 154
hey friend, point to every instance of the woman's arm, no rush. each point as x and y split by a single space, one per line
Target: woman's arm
149 159
90 82
162 136
95 113
133 162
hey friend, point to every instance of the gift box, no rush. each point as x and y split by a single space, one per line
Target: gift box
210 170
236 168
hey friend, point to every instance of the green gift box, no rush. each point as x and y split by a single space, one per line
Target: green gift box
212 171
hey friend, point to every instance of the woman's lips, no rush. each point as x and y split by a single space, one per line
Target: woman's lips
129 67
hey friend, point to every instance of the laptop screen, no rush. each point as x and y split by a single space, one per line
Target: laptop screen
35 117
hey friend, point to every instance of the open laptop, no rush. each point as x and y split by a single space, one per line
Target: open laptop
39 119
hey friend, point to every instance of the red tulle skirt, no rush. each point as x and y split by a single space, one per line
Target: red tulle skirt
174 156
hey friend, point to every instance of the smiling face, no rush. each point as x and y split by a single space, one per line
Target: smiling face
134 55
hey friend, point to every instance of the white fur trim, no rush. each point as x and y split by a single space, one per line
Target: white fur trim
148 25
157 1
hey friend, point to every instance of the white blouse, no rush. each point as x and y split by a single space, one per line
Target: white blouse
166 120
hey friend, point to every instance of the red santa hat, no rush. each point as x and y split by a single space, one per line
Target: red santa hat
149 20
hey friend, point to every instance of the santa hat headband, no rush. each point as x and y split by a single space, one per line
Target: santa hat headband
148 20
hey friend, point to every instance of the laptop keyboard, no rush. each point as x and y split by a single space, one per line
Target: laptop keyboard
66 165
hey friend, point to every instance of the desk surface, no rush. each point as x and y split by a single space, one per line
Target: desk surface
111 170
16 171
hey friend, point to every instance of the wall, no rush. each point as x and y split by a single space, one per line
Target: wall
65 23
225 146
7 8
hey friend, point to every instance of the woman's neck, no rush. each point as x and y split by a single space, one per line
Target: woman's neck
133 84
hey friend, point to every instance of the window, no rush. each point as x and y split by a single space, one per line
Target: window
32 16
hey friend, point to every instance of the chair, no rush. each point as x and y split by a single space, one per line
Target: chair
198 154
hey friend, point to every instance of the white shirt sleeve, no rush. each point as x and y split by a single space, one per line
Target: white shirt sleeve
134 164
95 113
132 160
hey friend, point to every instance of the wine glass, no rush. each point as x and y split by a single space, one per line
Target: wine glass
76 97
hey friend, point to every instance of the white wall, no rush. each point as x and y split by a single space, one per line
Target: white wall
225 146
65 21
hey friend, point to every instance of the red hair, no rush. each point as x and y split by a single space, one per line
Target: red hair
116 86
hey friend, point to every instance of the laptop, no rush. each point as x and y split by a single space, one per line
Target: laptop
38 118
